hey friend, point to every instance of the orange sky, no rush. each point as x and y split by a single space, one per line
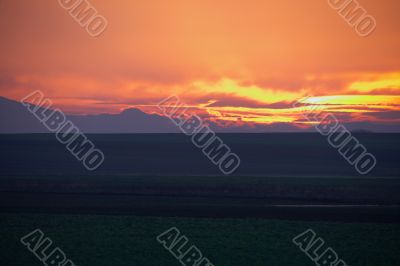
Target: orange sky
238 61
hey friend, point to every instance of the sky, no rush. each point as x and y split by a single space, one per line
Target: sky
233 61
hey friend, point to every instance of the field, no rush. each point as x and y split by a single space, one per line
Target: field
286 184
128 240
265 155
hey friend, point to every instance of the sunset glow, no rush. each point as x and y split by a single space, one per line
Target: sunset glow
232 62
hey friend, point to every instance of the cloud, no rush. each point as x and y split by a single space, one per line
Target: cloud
228 61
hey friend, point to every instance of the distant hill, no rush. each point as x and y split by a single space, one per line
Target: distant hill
129 121
15 118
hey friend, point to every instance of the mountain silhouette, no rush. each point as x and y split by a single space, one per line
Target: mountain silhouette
129 121
15 118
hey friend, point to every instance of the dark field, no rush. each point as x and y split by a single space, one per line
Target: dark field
148 183
127 240
265 155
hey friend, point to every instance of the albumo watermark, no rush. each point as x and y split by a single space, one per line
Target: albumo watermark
85 15
177 245
66 132
42 247
315 248
201 134
355 15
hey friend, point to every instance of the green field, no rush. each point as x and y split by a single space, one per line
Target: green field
128 240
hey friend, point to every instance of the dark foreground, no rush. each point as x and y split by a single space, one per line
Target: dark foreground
263 155
127 240
286 184
284 176
330 199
